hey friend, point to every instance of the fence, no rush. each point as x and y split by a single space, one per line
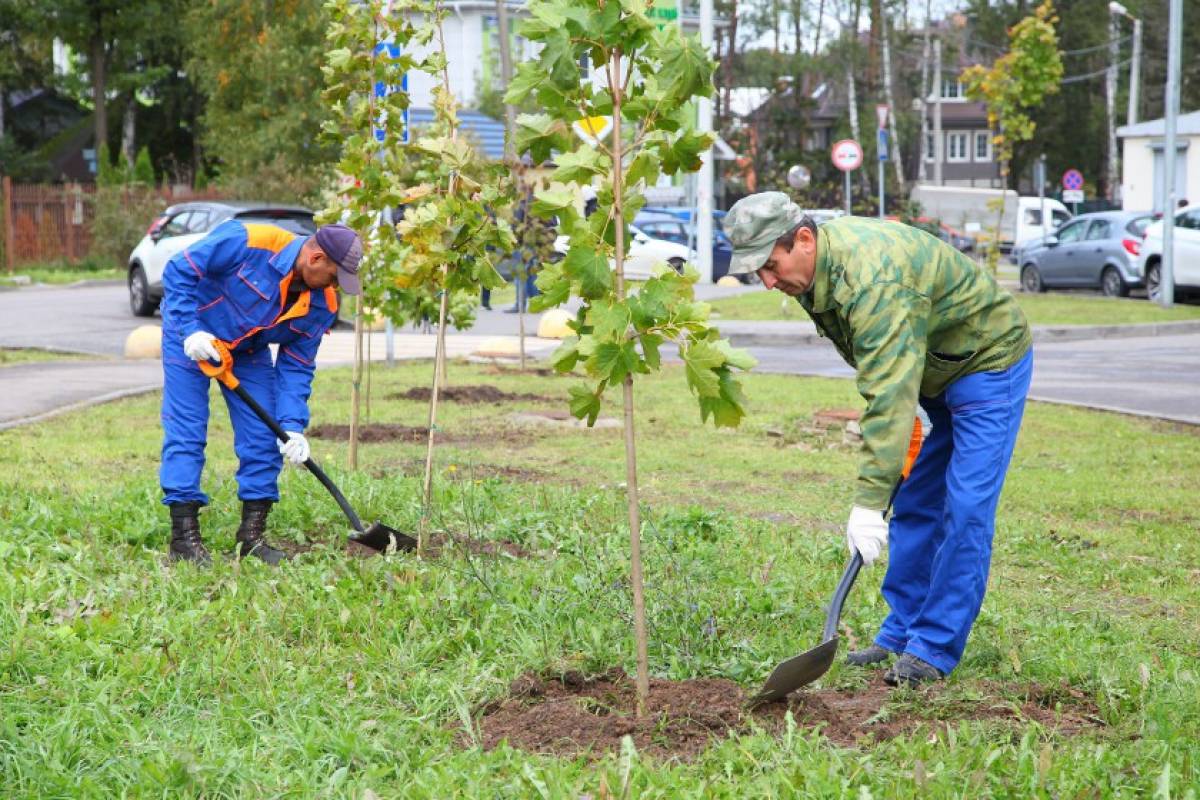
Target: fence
44 223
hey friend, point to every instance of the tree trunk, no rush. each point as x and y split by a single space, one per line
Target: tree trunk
820 22
873 45
1 112
439 371
897 156
631 485
921 174
128 131
730 55
506 74
98 64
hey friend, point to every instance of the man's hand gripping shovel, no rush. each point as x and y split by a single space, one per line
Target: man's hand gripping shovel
377 536
799 671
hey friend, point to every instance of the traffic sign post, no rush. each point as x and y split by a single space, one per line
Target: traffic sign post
847 155
1072 183
383 89
881 147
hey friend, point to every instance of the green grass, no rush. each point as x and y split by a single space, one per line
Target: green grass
10 356
1043 309
122 676
66 272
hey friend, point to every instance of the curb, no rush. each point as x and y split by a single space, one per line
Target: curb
104 398
748 337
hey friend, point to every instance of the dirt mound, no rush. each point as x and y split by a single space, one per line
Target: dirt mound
570 714
377 432
469 395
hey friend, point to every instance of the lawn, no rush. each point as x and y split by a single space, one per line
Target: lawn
30 355
1042 309
64 272
341 677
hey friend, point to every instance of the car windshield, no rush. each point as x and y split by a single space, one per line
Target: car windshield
297 222
1137 226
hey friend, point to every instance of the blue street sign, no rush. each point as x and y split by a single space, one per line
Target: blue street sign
883 144
383 89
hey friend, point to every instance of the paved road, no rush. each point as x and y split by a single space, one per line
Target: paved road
1153 376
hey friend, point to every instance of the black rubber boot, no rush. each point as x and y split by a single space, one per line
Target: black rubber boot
250 539
868 656
911 671
186 544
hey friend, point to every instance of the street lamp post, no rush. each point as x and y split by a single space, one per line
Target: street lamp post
1135 62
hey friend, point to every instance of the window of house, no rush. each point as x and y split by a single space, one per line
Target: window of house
956 147
983 146
930 147
952 90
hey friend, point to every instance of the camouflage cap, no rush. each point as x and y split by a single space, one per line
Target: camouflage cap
753 225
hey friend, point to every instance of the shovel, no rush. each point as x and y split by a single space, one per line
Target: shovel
377 536
799 671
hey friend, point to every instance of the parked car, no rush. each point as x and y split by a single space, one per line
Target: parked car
185 223
674 229
951 236
645 254
1185 266
1093 251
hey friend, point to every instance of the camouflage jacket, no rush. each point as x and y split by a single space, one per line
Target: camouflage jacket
911 314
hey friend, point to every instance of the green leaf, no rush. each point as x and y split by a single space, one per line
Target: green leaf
563 359
579 166
553 201
735 357
554 286
644 168
612 362
588 265
529 76
686 69
683 152
650 344
541 135
609 321
585 403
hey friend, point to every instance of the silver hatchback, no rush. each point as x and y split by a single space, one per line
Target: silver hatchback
1092 251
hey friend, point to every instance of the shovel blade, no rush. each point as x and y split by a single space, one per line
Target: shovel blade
796 672
381 538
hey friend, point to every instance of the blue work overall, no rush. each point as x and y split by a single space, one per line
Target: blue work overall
944 516
234 284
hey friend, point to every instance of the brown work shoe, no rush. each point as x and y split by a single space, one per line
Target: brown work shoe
912 672
186 544
251 539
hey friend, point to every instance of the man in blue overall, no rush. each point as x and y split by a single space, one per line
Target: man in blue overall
250 286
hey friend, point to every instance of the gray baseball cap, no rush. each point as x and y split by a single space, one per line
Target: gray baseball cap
754 224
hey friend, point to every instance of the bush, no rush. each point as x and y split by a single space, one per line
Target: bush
122 215
276 182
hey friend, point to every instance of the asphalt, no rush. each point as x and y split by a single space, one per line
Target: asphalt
1147 370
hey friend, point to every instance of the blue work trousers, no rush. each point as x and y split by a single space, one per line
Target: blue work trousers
944 516
185 426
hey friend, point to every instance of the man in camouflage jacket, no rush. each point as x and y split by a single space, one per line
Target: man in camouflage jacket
920 323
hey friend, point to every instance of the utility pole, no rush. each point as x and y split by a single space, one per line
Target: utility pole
1135 62
891 101
1110 105
938 144
704 198
1167 269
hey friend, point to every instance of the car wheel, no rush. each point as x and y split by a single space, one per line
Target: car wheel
677 264
1111 284
140 301
1031 279
1154 283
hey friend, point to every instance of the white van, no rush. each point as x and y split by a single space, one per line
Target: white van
969 210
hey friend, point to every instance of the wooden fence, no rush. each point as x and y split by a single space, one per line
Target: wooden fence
45 223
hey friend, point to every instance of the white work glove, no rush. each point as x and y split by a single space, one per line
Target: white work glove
295 449
199 347
866 533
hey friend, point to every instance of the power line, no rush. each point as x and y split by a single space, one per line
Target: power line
1096 74
1119 41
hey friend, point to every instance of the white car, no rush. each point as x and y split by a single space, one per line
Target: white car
186 223
644 255
1185 265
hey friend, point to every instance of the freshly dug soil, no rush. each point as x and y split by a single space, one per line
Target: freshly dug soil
476 546
469 395
570 715
377 432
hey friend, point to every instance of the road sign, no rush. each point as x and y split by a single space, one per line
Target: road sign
384 88
847 155
882 144
593 129
1072 195
1072 179
798 176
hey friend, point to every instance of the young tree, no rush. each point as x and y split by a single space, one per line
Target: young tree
449 234
644 79
1015 84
